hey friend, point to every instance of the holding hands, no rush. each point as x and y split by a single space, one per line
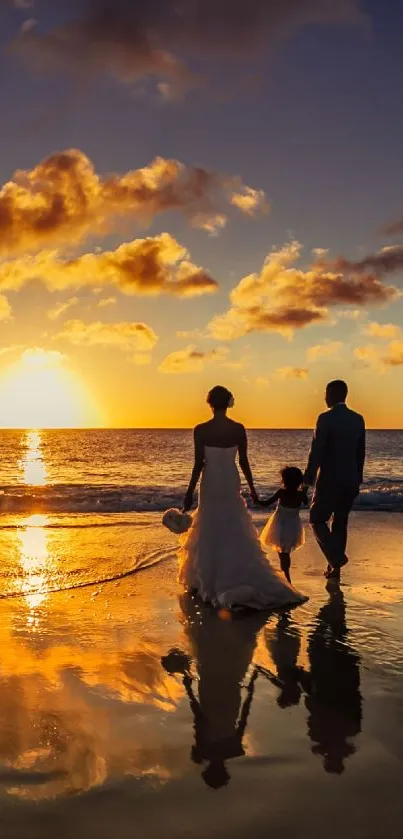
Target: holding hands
254 496
188 502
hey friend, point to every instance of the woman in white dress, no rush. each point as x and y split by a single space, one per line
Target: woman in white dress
220 556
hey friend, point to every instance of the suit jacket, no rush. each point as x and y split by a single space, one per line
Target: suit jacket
338 449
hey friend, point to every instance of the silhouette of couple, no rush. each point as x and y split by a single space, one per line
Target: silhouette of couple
223 653
223 562
221 557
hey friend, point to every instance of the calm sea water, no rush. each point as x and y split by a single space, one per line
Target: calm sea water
124 471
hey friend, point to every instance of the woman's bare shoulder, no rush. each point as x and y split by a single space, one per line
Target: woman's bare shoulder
237 426
237 433
201 429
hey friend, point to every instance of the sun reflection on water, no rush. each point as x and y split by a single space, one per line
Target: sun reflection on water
33 466
34 558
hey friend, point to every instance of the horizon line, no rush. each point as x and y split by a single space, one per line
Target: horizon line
171 428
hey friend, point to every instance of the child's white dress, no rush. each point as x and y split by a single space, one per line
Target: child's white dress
284 531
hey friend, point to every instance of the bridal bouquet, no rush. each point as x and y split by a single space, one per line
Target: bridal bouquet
176 521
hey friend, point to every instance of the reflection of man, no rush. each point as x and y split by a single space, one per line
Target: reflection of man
334 703
335 468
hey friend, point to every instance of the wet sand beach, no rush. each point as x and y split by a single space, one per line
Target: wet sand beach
256 725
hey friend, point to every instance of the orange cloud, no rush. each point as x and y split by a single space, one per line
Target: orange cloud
151 266
394 355
282 297
292 372
351 314
60 308
63 200
235 322
191 334
124 336
191 360
369 356
319 351
13 348
249 201
106 301
381 330
381 359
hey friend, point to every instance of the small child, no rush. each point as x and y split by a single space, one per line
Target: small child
284 531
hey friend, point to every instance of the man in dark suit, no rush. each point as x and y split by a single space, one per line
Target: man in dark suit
335 469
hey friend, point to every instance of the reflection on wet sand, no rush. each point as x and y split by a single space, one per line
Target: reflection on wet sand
283 639
334 703
96 736
35 569
34 555
70 692
223 650
331 685
85 700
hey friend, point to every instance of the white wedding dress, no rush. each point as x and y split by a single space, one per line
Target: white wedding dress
220 556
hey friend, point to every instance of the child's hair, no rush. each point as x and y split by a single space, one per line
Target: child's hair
292 477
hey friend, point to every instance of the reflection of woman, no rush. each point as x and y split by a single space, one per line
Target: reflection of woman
335 701
221 557
223 651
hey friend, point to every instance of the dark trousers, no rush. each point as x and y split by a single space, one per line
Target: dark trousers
332 503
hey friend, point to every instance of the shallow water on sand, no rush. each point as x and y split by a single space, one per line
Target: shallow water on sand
256 707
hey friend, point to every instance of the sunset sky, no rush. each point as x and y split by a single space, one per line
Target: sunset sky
196 193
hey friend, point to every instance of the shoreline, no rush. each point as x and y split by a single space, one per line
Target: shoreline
95 734
140 526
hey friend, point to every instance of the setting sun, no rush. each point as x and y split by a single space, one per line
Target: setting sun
40 391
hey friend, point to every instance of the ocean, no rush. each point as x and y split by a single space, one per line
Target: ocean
136 471
82 507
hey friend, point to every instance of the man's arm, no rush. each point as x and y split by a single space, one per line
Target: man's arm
318 446
361 454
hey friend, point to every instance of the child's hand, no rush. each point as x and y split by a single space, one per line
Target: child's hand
272 500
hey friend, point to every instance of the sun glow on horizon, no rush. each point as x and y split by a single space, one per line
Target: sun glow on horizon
40 391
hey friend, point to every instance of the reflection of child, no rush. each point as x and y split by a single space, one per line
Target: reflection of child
284 531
